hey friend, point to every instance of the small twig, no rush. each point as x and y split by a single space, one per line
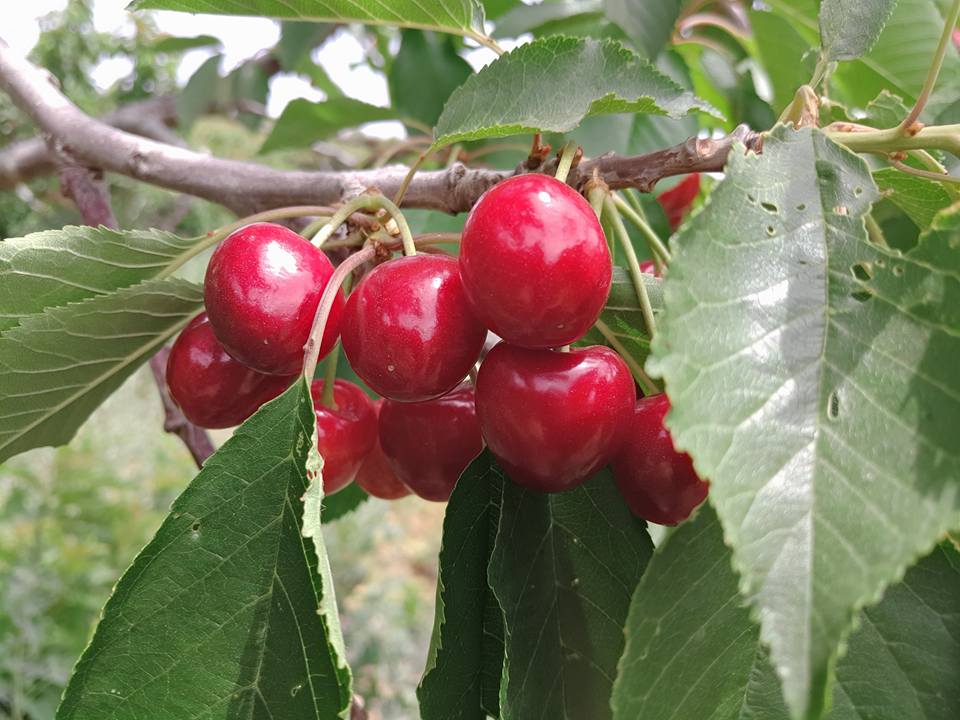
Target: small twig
569 155
939 177
908 126
658 251
633 265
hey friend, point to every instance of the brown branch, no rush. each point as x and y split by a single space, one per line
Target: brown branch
248 187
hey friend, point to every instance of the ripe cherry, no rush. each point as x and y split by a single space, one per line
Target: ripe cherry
649 267
211 388
552 418
534 262
408 331
677 200
261 291
430 444
345 434
375 474
658 483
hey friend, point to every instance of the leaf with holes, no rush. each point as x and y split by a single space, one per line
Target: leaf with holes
693 652
56 367
228 612
462 677
811 372
553 83
849 28
54 267
563 569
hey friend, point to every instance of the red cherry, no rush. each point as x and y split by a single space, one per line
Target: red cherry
376 476
649 267
430 444
345 435
551 418
408 331
677 200
658 483
262 289
534 262
211 388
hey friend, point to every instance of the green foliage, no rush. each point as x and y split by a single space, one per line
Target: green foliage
425 71
302 122
849 28
648 25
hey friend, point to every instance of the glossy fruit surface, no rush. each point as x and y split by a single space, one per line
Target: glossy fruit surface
261 292
534 262
345 435
658 483
375 474
408 331
677 200
552 418
429 444
649 267
211 388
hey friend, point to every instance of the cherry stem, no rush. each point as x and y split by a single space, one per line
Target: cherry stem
567 155
329 296
595 196
633 264
367 202
658 251
402 190
327 398
905 128
643 380
939 177
875 232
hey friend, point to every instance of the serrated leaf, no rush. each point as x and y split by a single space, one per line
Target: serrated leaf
57 366
424 72
55 267
919 198
849 28
462 17
886 110
199 92
303 122
563 569
648 24
802 390
693 652
462 676
218 615
553 83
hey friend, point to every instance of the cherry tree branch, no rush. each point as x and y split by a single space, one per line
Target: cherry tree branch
248 187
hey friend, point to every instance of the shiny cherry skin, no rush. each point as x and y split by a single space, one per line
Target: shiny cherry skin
261 291
534 262
376 476
430 444
658 483
345 434
677 200
553 418
211 388
408 331
649 267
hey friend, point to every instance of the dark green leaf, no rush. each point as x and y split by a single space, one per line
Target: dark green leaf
343 502
786 55
648 24
200 92
919 198
552 84
811 372
849 28
462 677
425 71
228 612
529 18
563 569
297 39
302 122
57 366
172 44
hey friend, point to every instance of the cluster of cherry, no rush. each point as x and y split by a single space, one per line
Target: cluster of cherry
534 269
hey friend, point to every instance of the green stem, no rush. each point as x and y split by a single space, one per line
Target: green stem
658 251
934 165
875 232
368 202
938 177
567 155
408 178
633 264
643 380
951 22
939 137
327 398
595 196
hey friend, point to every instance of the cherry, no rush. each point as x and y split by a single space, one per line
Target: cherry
658 483
211 388
649 267
345 434
677 200
430 444
262 289
376 476
408 331
552 418
534 262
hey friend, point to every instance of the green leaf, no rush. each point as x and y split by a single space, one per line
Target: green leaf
218 615
552 84
55 267
200 92
622 314
424 72
171 44
303 122
919 198
563 569
648 24
693 652
530 18
811 372
786 55
886 110
343 502
461 17
849 28
56 367
462 676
